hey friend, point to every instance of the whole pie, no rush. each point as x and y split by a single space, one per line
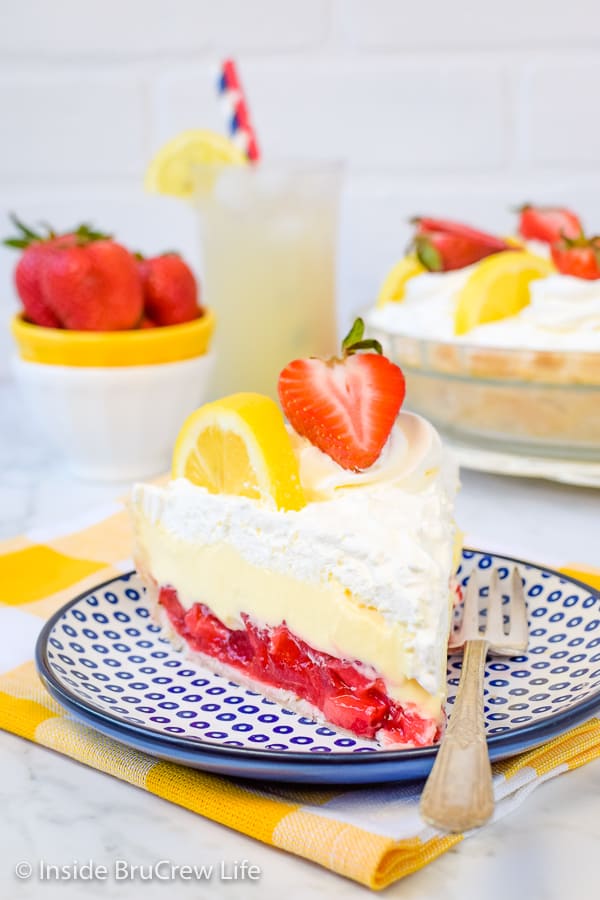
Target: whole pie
500 337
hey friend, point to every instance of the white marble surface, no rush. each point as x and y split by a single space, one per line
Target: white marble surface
56 810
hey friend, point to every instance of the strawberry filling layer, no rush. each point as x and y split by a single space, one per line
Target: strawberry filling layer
274 656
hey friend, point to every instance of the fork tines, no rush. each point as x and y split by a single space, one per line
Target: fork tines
505 639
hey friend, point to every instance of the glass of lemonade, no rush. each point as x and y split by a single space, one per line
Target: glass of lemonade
268 241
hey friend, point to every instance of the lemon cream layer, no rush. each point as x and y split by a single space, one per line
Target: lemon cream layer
563 314
362 575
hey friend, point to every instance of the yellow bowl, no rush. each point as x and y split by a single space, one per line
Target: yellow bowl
147 346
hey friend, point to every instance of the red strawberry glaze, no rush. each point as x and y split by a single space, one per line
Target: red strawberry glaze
276 657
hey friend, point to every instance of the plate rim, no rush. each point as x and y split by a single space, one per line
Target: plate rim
550 726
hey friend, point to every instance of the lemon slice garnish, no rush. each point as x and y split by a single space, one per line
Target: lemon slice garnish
392 289
173 169
239 445
498 288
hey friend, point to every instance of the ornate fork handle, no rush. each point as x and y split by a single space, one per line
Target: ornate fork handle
458 794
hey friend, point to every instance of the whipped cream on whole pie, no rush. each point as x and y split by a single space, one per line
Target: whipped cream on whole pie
539 291
563 314
336 600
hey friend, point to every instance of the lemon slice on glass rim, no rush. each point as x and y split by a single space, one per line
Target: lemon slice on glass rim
173 169
239 445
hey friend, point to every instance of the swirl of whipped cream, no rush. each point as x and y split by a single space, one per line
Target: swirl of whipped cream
411 456
564 303
427 310
563 314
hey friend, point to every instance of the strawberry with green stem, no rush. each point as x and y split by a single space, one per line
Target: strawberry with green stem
346 406
548 223
35 247
443 246
579 256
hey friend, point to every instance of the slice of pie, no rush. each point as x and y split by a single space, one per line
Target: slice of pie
312 561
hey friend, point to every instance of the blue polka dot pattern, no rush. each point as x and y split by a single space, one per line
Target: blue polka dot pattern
105 652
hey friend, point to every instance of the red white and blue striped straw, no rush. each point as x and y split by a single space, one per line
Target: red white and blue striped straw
236 109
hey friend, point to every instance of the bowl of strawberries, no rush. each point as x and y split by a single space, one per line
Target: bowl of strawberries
113 349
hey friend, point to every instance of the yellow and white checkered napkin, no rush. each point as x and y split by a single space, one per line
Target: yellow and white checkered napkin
373 835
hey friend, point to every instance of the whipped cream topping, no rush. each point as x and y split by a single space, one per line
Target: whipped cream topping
564 314
411 456
427 308
564 303
538 248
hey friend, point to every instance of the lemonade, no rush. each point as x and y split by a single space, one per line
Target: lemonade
268 240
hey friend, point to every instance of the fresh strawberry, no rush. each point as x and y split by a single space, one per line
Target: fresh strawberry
578 256
439 251
27 283
548 223
443 246
426 225
93 286
345 406
170 289
35 247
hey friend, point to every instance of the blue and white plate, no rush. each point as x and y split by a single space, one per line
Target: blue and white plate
105 661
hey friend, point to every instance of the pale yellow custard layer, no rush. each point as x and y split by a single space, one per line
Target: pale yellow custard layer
326 616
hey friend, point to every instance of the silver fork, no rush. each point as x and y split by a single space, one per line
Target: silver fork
458 794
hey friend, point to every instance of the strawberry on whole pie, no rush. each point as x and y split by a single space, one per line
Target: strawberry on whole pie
441 245
311 560
572 252
578 256
548 224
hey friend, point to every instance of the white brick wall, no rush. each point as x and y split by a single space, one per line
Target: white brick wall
389 115
563 126
461 109
71 125
469 24
131 29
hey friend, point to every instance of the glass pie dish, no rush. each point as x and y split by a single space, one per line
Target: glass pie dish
528 402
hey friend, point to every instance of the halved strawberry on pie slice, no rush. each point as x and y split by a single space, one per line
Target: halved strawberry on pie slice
345 406
311 561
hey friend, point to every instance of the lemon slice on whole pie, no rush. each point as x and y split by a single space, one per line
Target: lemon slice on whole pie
172 170
392 289
498 288
239 445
